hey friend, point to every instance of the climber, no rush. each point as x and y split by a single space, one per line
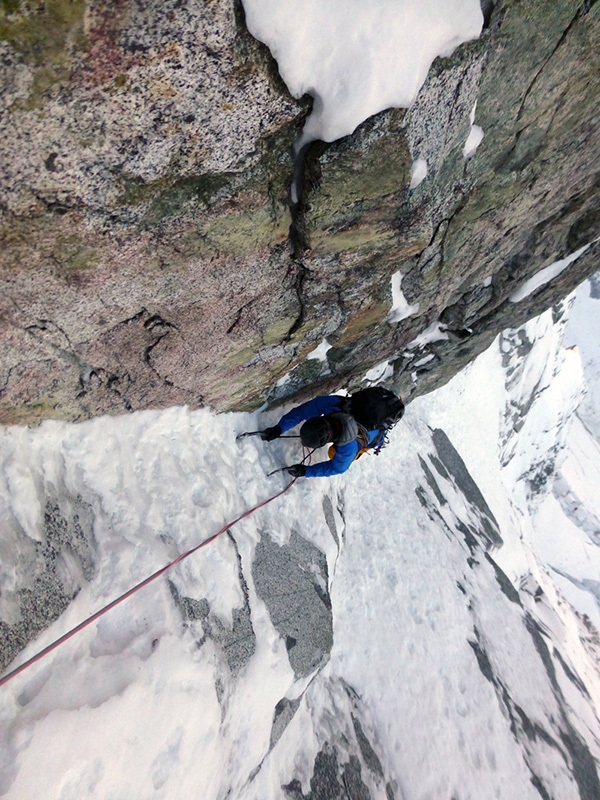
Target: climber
353 424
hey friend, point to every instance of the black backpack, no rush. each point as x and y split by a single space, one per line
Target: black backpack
376 408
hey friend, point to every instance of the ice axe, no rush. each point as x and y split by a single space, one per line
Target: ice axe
258 433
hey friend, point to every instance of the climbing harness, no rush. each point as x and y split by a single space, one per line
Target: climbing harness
363 443
140 585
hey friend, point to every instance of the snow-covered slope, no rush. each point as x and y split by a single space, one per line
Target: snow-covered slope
567 524
356 58
403 631
583 331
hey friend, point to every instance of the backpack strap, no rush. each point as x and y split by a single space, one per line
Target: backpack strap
363 436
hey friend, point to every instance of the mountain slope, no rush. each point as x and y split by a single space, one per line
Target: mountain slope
397 632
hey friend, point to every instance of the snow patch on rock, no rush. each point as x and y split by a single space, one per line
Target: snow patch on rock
357 59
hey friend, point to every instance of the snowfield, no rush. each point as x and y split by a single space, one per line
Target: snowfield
425 626
356 58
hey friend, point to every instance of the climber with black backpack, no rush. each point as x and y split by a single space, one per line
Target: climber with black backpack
352 424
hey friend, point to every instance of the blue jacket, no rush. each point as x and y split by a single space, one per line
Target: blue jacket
344 454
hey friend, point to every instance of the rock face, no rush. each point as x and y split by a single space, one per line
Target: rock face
149 256
145 151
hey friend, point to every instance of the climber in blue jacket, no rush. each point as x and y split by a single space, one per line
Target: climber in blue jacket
326 420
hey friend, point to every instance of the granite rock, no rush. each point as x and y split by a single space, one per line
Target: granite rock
149 256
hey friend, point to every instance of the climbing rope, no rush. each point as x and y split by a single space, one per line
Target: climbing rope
140 585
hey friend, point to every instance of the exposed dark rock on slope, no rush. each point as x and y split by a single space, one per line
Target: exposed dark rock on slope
147 258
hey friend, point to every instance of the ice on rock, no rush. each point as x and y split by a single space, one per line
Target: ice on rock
320 352
418 172
474 138
545 275
401 309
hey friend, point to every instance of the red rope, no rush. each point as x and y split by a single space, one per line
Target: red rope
136 588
